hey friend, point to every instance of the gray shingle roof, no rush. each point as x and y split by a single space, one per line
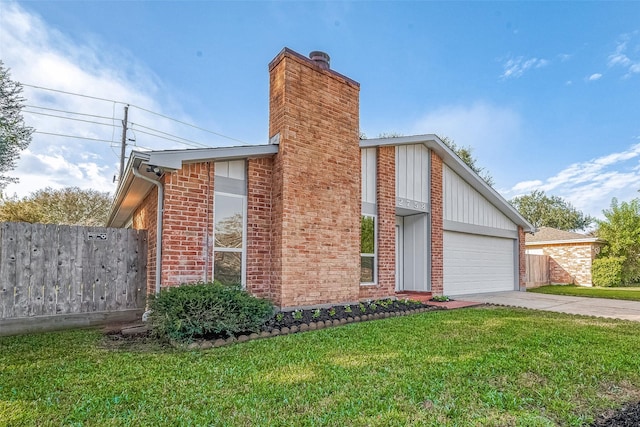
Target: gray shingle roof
548 234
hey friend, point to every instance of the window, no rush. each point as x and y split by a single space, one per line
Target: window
228 259
229 212
368 249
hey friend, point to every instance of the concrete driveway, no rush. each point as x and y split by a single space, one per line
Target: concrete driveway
615 309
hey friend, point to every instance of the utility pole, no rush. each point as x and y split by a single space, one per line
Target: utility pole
124 141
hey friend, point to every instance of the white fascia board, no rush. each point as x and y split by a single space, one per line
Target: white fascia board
174 159
451 159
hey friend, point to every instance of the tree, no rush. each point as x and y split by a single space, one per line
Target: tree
550 211
621 231
465 154
68 206
15 136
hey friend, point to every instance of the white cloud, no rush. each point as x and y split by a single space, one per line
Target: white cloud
39 55
481 125
40 170
594 77
526 186
628 44
516 67
591 185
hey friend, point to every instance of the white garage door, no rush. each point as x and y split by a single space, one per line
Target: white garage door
474 263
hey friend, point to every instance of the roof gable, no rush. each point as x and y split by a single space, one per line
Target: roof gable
451 159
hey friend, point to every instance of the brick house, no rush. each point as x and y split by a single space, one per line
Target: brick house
570 254
318 216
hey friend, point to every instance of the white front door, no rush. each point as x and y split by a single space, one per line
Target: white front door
399 253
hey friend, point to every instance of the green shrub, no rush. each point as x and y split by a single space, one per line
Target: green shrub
190 311
607 272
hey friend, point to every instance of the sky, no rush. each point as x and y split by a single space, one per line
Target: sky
547 94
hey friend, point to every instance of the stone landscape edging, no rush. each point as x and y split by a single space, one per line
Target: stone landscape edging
304 327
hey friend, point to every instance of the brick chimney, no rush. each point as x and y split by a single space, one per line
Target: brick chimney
314 114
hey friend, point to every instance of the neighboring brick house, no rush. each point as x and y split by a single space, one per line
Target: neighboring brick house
570 254
319 216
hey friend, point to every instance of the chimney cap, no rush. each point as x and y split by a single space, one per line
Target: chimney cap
321 59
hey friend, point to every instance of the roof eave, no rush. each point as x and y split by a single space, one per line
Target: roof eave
564 242
174 159
135 160
170 160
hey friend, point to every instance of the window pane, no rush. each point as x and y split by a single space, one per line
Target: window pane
366 269
367 235
228 221
227 267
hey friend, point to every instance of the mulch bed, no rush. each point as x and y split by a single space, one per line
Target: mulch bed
283 323
627 416
339 312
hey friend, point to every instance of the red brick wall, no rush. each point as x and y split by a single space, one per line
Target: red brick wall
277 108
187 239
145 218
522 260
437 254
386 204
316 186
259 238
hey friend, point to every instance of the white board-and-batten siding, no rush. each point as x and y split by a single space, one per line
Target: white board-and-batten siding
232 169
466 210
412 173
368 165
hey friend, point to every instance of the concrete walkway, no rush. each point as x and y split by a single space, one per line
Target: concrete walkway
600 307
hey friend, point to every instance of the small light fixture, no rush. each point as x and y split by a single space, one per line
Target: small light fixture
155 169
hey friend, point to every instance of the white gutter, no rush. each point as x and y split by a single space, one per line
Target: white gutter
159 212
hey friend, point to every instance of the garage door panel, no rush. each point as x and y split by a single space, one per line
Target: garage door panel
474 263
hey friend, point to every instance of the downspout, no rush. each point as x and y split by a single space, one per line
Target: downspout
159 212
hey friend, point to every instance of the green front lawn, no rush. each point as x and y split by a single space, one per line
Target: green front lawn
626 293
484 367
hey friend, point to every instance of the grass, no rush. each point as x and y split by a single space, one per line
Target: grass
484 367
624 293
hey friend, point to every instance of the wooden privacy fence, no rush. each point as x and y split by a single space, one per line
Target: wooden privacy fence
537 270
63 271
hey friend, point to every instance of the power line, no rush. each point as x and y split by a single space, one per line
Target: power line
72 136
139 108
189 124
71 118
177 138
72 93
168 134
69 112
170 139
